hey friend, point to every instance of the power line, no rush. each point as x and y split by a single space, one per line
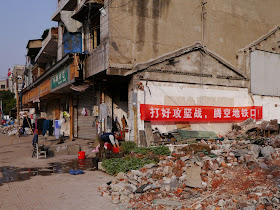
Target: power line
94 28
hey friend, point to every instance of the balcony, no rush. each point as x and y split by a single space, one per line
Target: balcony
98 60
37 71
49 48
82 10
68 5
33 47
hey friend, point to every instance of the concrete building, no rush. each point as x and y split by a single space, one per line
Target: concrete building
33 47
16 73
165 53
4 85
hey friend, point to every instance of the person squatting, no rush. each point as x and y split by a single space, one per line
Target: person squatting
109 138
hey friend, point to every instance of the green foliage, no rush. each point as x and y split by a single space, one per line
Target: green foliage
8 100
159 150
115 165
128 146
142 150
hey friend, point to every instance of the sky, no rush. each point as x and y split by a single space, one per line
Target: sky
22 20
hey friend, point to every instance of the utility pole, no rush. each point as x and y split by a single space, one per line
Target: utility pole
18 121
1 108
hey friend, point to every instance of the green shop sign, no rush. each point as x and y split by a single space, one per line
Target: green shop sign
60 78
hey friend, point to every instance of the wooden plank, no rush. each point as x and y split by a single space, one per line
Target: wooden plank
74 68
142 136
57 112
148 132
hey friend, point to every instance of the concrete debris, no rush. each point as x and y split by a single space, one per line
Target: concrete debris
137 172
193 178
146 187
271 125
12 130
221 203
267 151
167 202
120 176
148 166
240 172
247 122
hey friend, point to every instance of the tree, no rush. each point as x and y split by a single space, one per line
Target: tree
8 101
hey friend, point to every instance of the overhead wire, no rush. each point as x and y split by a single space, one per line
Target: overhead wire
115 19
88 18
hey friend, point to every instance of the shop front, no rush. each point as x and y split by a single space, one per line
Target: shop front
52 98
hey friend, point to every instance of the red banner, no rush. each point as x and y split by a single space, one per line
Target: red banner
199 113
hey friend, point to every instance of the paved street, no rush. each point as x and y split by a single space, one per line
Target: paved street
54 191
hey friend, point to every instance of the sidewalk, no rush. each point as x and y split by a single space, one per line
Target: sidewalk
56 191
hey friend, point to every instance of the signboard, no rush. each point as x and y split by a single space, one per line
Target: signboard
199 113
45 87
25 97
60 78
34 93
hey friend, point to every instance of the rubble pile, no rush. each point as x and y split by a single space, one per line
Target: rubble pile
213 174
9 130
250 129
12 130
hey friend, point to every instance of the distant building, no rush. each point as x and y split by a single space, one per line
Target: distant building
16 73
3 85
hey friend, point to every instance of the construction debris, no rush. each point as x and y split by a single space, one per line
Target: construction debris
9 130
239 173
12 130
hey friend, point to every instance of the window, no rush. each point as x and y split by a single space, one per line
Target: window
95 32
265 73
3 86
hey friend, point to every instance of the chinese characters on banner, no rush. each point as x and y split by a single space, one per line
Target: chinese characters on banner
199 113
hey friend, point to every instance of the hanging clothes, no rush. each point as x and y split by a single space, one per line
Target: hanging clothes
25 122
103 111
40 125
57 129
84 112
46 126
50 127
116 125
